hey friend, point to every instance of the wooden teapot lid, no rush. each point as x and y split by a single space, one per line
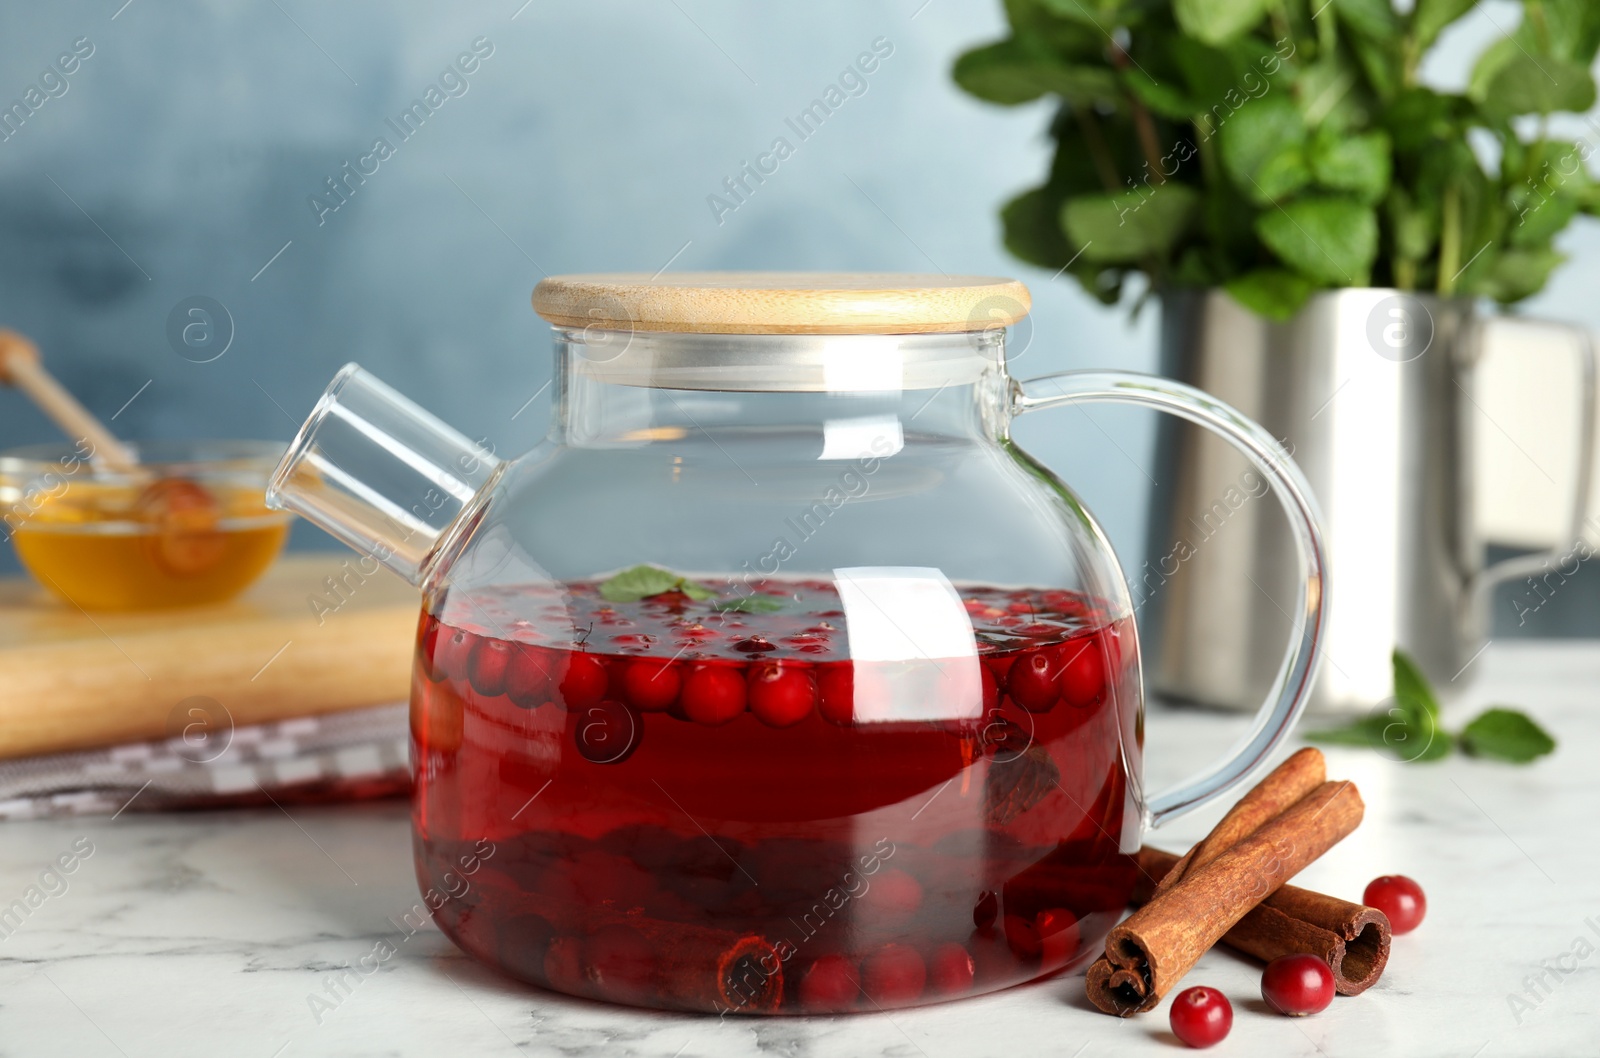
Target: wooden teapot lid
781 302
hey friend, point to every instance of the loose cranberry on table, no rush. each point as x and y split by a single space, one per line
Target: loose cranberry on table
1201 1016
1297 985
1398 897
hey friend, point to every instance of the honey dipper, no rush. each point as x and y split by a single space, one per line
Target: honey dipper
20 367
183 511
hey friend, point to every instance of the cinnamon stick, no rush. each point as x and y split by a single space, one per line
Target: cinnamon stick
1151 951
1297 776
1353 940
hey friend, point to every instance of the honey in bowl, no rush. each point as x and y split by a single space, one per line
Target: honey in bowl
189 527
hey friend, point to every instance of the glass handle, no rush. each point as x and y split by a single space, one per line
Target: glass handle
1292 687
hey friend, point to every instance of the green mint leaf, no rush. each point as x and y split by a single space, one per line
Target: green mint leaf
1126 227
1430 17
1366 733
749 604
1505 734
1271 292
1218 21
641 582
1330 239
1411 686
1404 731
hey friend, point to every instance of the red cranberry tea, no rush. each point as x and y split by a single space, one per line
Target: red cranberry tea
704 803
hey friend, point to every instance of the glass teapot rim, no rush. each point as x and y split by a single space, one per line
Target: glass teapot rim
781 363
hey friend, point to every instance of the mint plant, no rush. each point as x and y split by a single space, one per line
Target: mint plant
1279 147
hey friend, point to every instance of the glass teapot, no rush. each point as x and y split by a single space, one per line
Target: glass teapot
777 679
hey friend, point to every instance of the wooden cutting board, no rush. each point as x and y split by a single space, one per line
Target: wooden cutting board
295 644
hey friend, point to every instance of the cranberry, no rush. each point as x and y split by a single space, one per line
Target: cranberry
781 695
1297 985
651 686
528 676
892 894
1032 682
754 645
951 969
836 687
454 651
1398 897
621 963
486 669
1201 1016
894 975
1058 935
1021 935
563 966
830 984
991 689
1000 665
584 682
1083 673
985 911
713 694
428 644
608 732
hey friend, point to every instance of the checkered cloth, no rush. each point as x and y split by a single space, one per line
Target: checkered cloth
346 756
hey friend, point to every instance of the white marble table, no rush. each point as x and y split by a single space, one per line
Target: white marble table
206 934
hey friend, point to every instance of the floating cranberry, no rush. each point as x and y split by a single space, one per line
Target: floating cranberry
991 689
584 682
1032 682
754 645
985 911
1083 673
713 694
829 984
1201 1016
621 963
836 687
1000 665
894 975
1398 897
486 670
1057 929
951 969
428 644
607 732
781 695
528 676
651 686
1297 985
453 653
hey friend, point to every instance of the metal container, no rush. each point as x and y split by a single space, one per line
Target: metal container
1372 393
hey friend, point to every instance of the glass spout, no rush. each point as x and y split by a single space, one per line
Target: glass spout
381 474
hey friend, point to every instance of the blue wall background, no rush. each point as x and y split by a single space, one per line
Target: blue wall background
180 160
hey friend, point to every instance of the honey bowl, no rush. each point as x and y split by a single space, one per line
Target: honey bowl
188 526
